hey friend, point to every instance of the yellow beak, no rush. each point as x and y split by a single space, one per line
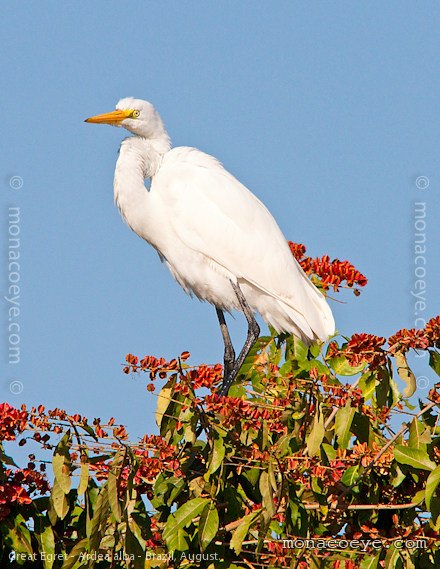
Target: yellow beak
114 118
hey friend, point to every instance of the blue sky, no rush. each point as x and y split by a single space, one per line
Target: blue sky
328 112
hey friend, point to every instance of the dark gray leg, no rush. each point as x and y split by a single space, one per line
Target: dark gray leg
252 337
229 357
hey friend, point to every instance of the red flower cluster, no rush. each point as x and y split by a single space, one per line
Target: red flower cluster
34 480
150 468
156 366
348 564
368 348
432 331
361 348
340 394
205 376
279 556
100 468
158 457
12 490
12 421
202 376
405 339
329 475
331 273
234 409
165 458
10 494
156 539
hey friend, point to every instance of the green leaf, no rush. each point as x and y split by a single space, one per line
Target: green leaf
329 451
394 395
62 463
383 388
208 525
413 457
98 522
343 421
267 494
175 537
370 561
316 435
315 349
88 429
217 456
434 361
431 486
272 478
249 482
350 475
340 366
419 435
5 459
133 547
310 364
397 476
393 559
46 541
83 478
435 515
405 374
163 400
367 384
295 349
78 549
59 500
361 427
188 511
177 485
20 536
241 532
113 483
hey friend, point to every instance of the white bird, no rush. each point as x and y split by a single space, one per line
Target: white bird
215 236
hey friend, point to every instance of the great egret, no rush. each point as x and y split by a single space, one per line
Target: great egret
217 239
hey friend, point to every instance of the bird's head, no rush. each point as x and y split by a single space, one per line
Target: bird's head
136 115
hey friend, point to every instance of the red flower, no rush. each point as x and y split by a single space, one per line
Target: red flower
432 331
331 273
12 422
365 348
131 359
205 376
405 339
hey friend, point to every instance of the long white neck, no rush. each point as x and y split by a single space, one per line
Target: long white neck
139 159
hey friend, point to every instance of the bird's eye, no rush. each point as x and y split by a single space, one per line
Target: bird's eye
135 114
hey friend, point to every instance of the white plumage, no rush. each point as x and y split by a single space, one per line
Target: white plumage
209 229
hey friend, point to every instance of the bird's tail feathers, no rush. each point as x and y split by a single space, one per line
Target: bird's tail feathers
316 322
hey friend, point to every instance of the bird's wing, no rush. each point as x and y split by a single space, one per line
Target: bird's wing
213 213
